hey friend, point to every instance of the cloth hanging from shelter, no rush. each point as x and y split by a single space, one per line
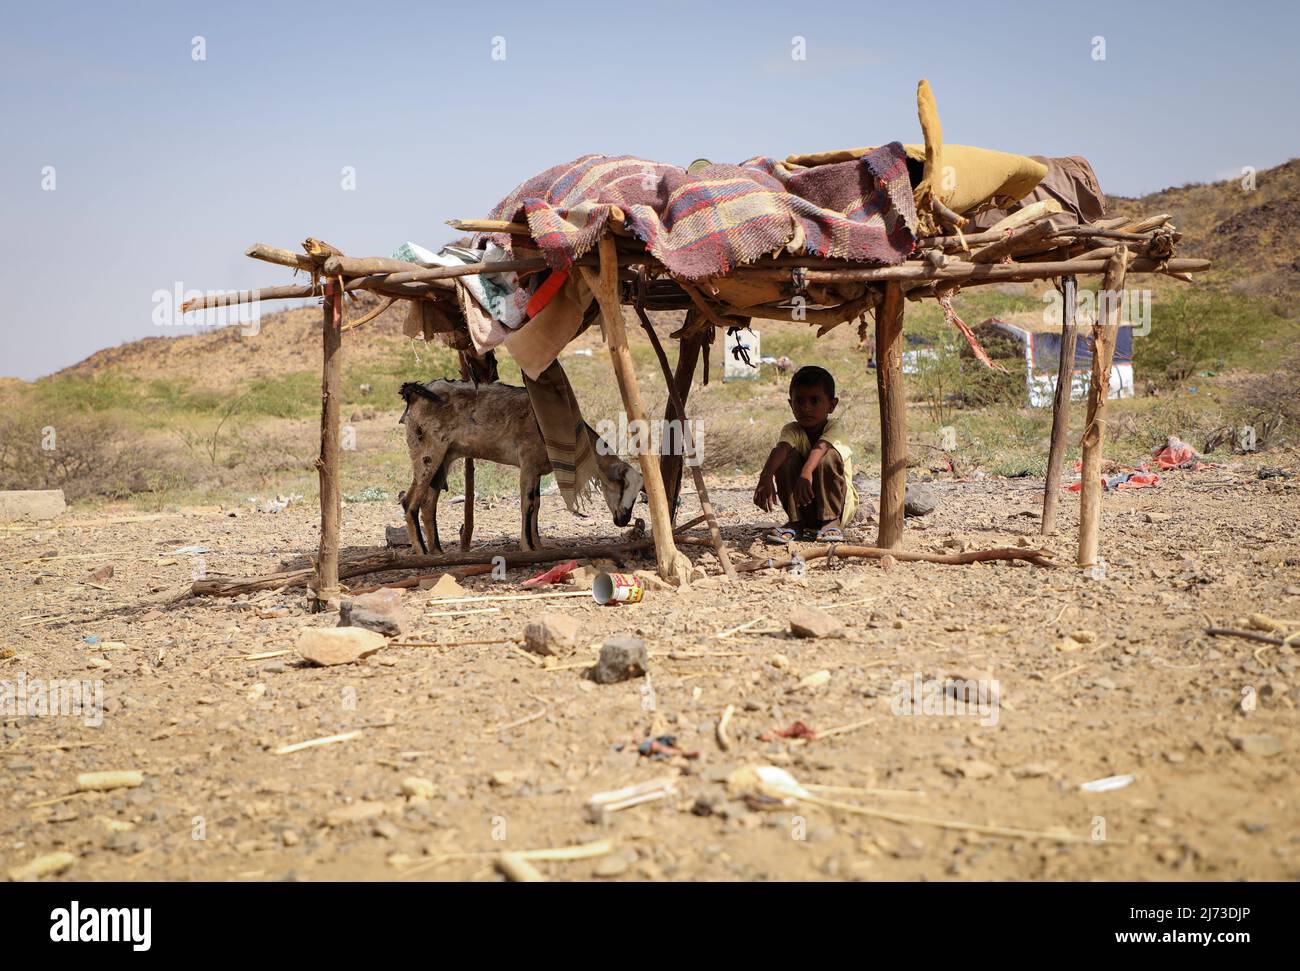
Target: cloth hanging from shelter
722 216
537 344
569 442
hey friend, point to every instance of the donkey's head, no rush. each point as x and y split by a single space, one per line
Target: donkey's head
621 485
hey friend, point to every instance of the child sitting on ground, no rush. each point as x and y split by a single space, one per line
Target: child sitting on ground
810 471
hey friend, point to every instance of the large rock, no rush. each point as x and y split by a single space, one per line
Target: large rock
379 611
31 504
337 645
551 634
621 659
810 622
919 500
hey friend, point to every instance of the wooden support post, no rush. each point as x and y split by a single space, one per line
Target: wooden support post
673 566
1104 331
893 416
677 408
327 464
688 359
1061 406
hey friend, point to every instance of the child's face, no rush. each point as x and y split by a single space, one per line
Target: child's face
811 405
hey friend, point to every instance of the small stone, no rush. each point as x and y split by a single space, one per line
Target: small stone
581 577
976 769
386 830
616 864
1262 746
415 787
396 537
99 664
814 680
337 645
444 587
780 661
357 812
888 562
808 621
503 777
100 575
290 838
621 658
1032 770
551 634
652 580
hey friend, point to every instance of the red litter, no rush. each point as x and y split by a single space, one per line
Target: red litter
796 730
554 575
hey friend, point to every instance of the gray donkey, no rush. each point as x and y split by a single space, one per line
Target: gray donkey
448 420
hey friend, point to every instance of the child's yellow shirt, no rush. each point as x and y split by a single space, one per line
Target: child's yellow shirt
794 436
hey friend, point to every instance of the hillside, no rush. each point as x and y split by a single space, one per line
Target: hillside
286 341
1247 232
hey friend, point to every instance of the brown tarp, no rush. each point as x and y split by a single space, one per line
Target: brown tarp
1070 181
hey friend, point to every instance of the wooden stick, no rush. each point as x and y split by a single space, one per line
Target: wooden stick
236 297
391 560
317 742
724 741
331 503
688 358
1249 635
518 722
673 566
893 417
675 399
282 257
995 252
1061 407
490 226
353 324
975 272
510 596
1037 557
1104 330
951 824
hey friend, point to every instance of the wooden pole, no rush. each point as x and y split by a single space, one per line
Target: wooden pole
327 563
677 406
893 417
1104 330
673 566
1061 405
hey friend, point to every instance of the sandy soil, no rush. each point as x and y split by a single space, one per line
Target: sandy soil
1194 718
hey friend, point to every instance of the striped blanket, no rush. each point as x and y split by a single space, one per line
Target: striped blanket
722 216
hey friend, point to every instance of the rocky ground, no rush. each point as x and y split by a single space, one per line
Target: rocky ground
464 750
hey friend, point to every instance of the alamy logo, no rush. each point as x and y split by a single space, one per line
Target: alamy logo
133 924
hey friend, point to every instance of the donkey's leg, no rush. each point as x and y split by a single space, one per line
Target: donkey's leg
530 501
425 469
429 509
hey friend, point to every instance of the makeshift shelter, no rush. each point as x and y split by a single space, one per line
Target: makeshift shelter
1040 342
816 240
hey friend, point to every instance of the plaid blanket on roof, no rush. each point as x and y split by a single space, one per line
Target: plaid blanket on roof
725 215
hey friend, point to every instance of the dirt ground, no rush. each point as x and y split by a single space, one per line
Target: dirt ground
514 750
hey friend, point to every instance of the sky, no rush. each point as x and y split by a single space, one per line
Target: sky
147 145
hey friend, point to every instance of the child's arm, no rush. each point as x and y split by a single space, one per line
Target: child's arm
765 494
803 491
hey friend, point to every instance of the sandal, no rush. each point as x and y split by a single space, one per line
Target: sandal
830 534
781 536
